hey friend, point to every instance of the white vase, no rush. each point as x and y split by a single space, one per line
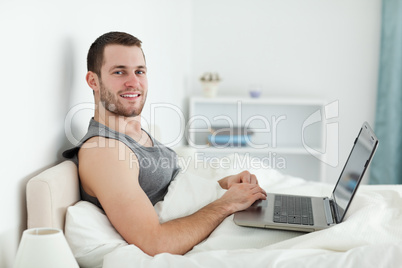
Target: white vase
210 89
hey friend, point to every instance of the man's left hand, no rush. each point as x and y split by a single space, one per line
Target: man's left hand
242 177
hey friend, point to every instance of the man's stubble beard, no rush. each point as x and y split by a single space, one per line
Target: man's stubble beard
110 103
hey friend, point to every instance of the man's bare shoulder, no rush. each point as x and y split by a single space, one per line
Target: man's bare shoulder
101 159
99 156
105 149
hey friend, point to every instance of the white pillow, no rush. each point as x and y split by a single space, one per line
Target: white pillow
90 234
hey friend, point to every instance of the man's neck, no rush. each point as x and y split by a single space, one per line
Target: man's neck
130 126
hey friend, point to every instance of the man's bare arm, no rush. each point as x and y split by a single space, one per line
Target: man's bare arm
112 177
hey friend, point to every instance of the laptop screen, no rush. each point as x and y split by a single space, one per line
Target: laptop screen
353 171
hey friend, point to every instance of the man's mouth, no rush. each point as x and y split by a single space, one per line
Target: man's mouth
130 95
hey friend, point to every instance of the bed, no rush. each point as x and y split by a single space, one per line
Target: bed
370 236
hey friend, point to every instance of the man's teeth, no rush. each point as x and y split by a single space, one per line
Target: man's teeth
129 95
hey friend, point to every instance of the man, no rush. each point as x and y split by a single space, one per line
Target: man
115 157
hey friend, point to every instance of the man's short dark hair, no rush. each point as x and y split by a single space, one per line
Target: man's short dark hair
95 53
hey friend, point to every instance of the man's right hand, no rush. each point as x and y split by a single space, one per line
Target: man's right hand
240 196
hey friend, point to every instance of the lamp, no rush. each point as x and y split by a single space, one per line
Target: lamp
44 247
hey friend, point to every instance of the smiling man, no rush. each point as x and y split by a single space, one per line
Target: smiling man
130 81
117 74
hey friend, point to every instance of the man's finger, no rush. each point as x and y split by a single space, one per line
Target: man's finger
245 177
253 179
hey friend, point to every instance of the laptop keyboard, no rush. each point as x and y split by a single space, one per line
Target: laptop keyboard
293 210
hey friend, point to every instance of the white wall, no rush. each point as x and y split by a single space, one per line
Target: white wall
317 48
42 75
300 49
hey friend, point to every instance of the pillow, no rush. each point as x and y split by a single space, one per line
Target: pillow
186 194
90 234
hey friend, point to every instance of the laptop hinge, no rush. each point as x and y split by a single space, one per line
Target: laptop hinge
329 211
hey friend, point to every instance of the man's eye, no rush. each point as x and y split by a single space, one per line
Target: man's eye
118 72
140 72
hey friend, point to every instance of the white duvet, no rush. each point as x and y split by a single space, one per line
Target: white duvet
370 236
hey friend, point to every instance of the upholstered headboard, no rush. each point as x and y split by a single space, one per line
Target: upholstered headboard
50 193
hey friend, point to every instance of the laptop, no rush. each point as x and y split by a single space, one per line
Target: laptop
306 213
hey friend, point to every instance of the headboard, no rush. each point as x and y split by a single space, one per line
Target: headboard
50 193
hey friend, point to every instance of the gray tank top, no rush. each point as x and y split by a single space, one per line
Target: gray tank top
158 164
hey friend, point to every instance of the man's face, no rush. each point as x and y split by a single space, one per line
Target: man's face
123 82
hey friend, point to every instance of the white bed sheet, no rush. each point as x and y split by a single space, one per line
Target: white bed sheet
370 236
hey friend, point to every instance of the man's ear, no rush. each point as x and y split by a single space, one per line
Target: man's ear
93 81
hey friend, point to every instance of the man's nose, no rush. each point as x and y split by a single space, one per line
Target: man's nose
132 81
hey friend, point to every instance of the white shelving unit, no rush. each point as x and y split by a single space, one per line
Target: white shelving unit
281 131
